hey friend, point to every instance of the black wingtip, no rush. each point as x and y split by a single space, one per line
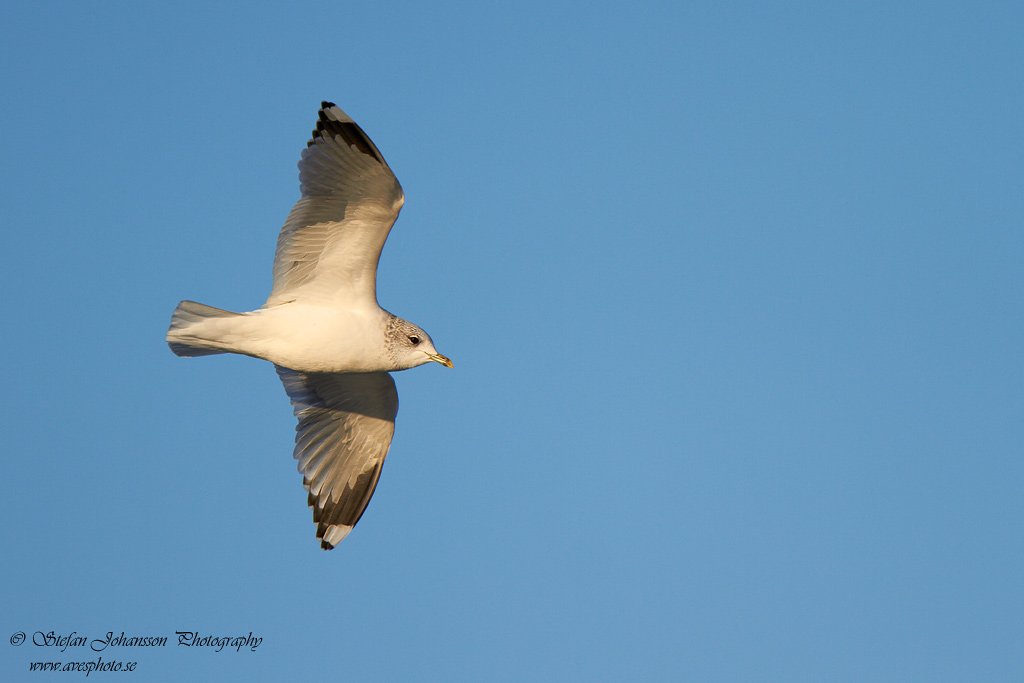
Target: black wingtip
348 131
324 104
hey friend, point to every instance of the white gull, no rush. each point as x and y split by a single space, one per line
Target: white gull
322 328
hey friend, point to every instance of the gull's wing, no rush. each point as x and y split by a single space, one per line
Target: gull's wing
345 426
329 247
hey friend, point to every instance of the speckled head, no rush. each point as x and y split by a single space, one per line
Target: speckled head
408 345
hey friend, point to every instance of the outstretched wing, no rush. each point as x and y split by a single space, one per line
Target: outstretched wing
330 244
346 422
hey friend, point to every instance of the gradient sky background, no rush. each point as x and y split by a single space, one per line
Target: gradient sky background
733 291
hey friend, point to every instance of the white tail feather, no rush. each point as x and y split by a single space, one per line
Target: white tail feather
185 336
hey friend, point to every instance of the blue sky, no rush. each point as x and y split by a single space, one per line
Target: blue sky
733 292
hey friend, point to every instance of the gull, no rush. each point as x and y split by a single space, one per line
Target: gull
332 344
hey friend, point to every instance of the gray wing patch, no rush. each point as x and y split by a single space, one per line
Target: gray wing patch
350 199
346 422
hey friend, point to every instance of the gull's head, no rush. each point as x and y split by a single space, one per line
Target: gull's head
409 346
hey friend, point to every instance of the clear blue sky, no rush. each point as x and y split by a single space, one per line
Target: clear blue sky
734 293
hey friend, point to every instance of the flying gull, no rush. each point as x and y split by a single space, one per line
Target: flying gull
331 343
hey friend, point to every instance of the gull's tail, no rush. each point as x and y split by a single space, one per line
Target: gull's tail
195 330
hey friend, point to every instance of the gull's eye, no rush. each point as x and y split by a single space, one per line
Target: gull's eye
414 339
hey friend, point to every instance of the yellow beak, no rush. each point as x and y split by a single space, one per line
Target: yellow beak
438 358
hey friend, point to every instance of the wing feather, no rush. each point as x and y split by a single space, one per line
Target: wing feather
346 422
331 241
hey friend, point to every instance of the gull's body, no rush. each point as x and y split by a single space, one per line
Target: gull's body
322 327
304 337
